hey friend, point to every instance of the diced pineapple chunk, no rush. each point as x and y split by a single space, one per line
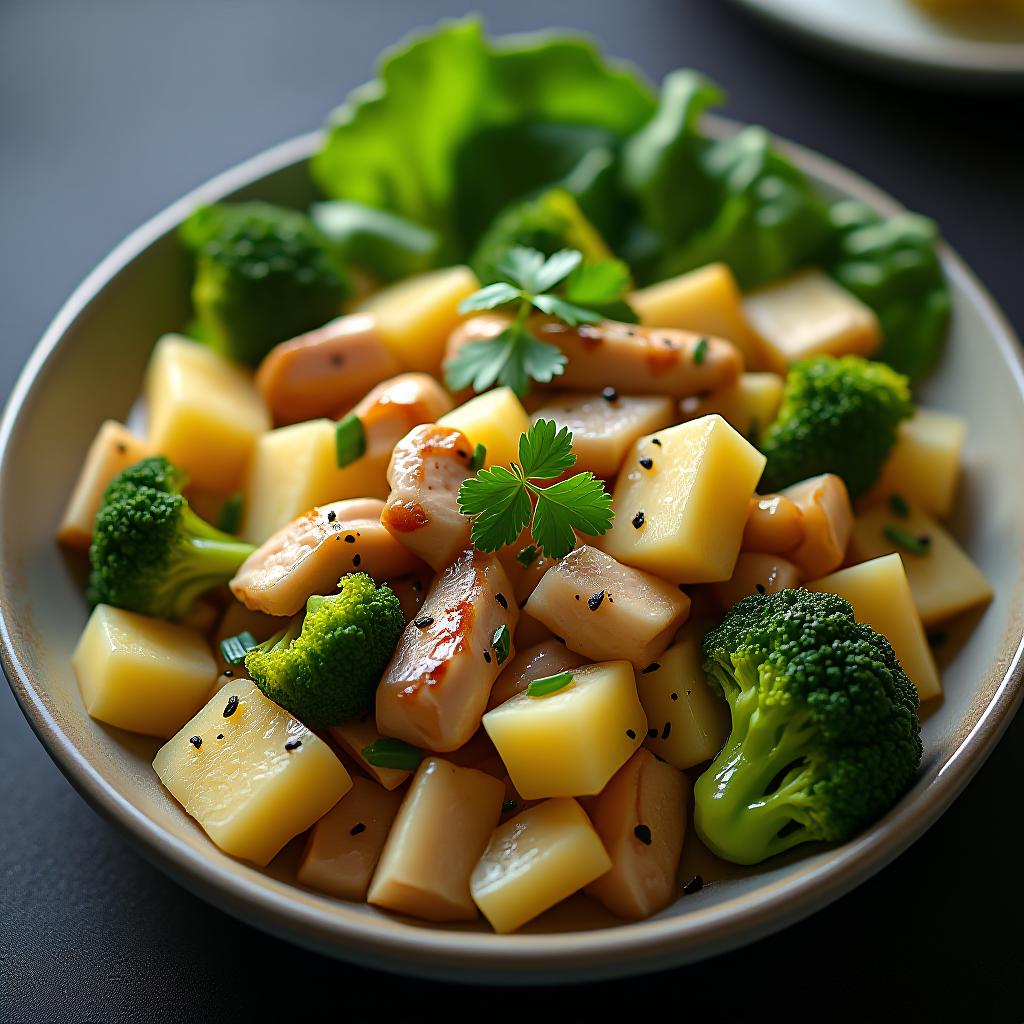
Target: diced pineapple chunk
256 778
495 419
205 413
640 817
140 674
113 449
689 722
827 518
774 525
536 859
808 314
706 300
603 429
943 580
924 464
346 843
415 316
440 832
749 405
880 594
571 742
756 573
354 737
681 501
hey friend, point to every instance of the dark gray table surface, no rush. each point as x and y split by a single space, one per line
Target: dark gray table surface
108 111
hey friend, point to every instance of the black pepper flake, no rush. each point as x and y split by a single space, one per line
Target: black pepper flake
609 394
423 621
761 589
509 806
638 520
643 833
502 600
196 741
666 730
487 657
220 735
227 672
652 734
674 696
349 539
292 745
331 516
357 829
653 667
577 597
231 707
655 440
356 559
594 601
695 884
631 734
647 462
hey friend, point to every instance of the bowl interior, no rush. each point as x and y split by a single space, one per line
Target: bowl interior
89 367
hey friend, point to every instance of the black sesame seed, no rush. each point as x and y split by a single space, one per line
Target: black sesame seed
609 394
666 730
761 589
643 833
577 597
487 657
695 884
231 707
638 520
652 734
227 672
654 440
594 601
331 516
631 734
356 559
647 462
357 829
502 600
653 667
196 741
674 696
293 745
509 806
220 735
349 539
423 621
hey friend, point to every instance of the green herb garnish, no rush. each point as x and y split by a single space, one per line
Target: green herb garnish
498 499
899 505
349 439
478 458
233 649
229 519
526 556
516 355
548 685
906 540
509 806
391 753
700 351
501 642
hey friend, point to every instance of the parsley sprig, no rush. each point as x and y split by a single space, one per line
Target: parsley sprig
590 293
502 501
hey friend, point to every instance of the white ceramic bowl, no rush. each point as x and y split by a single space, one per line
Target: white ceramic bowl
89 365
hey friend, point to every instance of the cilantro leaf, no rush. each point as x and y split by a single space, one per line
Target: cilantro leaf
479 363
522 267
490 297
555 269
579 503
545 451
571 314
500 504
595 284
541 360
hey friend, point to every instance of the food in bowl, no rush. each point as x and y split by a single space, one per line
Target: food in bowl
558 472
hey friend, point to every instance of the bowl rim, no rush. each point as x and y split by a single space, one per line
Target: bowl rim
333 927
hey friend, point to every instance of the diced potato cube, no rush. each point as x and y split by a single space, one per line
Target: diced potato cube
689 722
808 314
749 405
495 419
205 413
707 300
441 830
415 316
571 742
140 674
605 610
681 501
827 518
256 778
924 464
346 843
880 594
640 817
756 573
295 468
774 525
353 737
536 859
114 449
603 429
943 580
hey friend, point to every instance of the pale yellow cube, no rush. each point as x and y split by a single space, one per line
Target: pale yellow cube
495 419
924 464
114 448
603 429
415 316
250 774
295 468
681 501
880 594
441 830
536 859
809 314
689 722
706 300
749 405
354 737
205 413
549 744
140 674
944 580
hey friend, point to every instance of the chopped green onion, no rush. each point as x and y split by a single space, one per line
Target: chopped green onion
526 556
899 506
229 519
234 648
906 540
548 685
477 459
390 753
349 440
700 351
501 642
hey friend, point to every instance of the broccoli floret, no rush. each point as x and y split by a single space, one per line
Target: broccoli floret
838 416
263 274
825 734
150 552
325 666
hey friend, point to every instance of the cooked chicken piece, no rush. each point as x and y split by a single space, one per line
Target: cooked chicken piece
411 592
827 521
311 553
524 564
435 690
395 406
547 658
328 369
774 524
427 467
